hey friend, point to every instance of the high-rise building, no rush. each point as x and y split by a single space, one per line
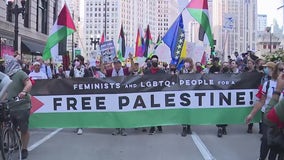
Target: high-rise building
261 22
241 37
34 26
159 15
75 39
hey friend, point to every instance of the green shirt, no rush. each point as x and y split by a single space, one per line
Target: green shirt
16 87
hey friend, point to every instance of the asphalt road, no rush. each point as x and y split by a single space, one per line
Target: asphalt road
99 144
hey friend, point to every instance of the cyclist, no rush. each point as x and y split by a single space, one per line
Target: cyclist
19 88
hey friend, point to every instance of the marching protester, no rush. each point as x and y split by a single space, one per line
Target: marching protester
154 69
44 67
79 71
266 94
234 67
37 73
216 68
274 118
187 69
117 70
20 87
60 73
250 67
96 68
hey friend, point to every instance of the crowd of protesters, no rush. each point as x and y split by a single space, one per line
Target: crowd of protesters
96 68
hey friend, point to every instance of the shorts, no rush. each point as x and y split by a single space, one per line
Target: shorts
20 118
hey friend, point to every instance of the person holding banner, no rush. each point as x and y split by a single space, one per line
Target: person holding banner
216 68
187 69
117 70
78 71
154 69
250 67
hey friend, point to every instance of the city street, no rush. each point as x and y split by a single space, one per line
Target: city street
99 144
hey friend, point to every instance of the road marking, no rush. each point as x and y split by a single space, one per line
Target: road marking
201 146
32 147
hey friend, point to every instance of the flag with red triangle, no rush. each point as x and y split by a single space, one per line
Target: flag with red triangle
198 9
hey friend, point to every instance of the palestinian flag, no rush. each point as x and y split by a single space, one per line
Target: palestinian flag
198 9
63 27
121 42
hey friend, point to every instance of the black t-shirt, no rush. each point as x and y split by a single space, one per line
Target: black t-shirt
214 69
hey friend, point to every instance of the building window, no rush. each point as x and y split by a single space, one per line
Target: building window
264 46
41 18
27 13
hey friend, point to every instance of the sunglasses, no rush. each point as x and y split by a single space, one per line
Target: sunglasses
280 69
77 60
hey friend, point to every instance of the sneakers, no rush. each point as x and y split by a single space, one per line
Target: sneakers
219 132
123 132
116 132
24 153
184 131
144 130
152 131
224 131
249 131
160 129
79 131
188 129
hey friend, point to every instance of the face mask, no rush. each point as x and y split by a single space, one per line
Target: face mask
186 65
148 64
77 63
266 71
155 64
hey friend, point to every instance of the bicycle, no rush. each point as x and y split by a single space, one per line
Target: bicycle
10 140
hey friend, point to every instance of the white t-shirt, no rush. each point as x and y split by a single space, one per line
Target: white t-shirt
37 75
270 90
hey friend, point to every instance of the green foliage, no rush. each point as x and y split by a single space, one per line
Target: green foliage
275 56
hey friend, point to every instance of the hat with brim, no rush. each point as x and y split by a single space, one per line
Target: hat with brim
270 65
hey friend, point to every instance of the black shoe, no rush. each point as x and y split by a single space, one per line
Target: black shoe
116 132
144 130
152 131
123 132
25 153
184 132
219 133
260 128
224 131
188 130
249 131
160 129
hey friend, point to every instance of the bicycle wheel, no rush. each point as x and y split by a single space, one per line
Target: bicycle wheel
12 144
2 143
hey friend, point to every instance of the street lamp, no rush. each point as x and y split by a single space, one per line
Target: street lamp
268 30
16 10
95 41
